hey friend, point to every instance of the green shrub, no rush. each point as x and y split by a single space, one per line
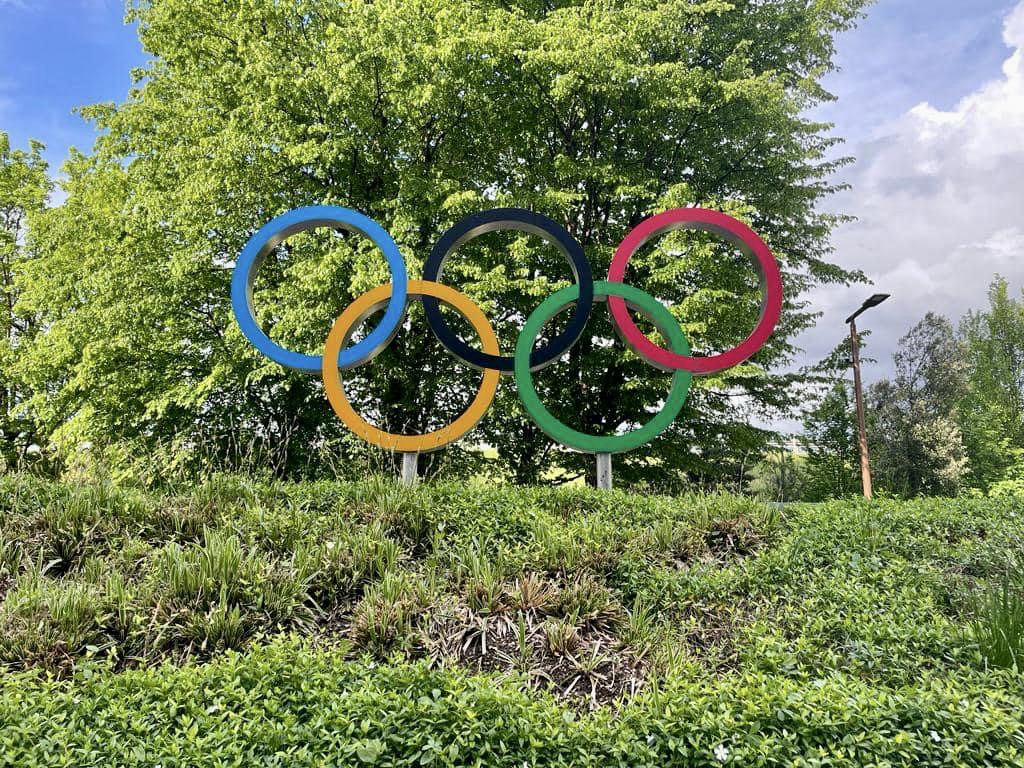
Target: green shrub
837 634
287 704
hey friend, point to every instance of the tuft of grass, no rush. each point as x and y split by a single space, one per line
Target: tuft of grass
590 667
48 623
561 636
340 567
221 627
119 597
203 574
220 493
68 529
557 551
669 537
590 602
12 555
997 626
212 596
733 536
282 598
383 621
403 511
484 583
734 525
531 592
639 630
669 653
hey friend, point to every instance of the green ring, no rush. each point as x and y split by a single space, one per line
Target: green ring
559 432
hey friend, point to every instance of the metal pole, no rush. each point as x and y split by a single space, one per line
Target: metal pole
409 461
865 465
604 471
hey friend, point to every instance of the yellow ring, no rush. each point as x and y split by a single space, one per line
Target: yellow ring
362 308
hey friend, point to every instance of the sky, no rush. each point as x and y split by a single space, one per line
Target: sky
930 102
56 55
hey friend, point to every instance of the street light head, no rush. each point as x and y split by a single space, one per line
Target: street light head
872 301
875 300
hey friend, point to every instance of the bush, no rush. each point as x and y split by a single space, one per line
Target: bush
289 704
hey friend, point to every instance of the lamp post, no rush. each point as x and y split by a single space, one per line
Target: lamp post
865 465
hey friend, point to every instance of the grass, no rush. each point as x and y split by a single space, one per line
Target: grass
804 636
997 625
437 572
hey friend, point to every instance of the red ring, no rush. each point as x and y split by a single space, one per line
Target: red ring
738 234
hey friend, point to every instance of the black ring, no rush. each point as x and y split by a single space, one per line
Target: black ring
522 220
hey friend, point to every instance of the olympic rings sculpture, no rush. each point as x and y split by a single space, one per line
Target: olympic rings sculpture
393 297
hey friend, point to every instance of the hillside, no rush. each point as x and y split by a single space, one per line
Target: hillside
246 623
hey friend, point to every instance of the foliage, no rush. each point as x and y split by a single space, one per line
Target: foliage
839 634
778 477
951 420
992 410
998 625
915 443
338 712
24 188
832 468
418 114
1012 481
829 439
157 576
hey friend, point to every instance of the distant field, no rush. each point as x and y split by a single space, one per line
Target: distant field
368 624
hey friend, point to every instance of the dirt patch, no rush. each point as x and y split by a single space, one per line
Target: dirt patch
597 668
733 537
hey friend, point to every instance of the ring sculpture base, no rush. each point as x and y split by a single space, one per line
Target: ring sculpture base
604 471
409 461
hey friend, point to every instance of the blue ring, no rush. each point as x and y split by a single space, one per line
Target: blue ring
269 236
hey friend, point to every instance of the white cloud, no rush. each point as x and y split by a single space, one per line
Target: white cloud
939 198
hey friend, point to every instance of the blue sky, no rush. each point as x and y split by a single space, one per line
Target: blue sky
931 101
56 55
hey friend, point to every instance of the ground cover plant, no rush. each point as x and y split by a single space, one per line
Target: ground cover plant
265 623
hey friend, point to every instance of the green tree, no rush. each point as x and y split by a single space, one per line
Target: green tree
417 113
832 467
829 439
24 188
992 408
915 444
779 476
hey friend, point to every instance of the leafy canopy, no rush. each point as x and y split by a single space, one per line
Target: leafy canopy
24 188
417 113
